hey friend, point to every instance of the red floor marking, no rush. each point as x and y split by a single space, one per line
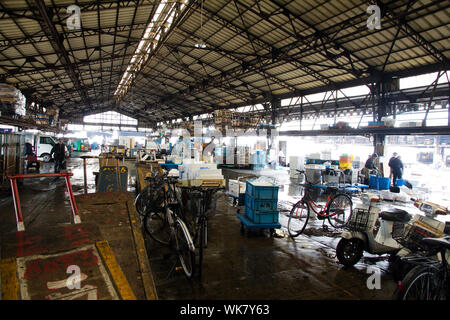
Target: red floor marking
77 235
28 245
49 276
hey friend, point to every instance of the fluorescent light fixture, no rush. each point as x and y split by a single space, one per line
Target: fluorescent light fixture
200 45
162 18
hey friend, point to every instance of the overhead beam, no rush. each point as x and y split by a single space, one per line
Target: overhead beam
59 48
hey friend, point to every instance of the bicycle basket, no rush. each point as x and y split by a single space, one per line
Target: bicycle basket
411 237
359 220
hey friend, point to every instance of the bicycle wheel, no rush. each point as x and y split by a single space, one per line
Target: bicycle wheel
298 218
157 227
202 245
141 204
422 283
339 210
186 256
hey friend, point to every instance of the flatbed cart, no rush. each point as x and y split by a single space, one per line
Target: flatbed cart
246 224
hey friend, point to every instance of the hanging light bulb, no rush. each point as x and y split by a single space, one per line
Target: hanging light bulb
201 44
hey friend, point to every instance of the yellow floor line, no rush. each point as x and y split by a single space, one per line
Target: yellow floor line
115 271
10 283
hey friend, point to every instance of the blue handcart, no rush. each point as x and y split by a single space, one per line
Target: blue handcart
246 224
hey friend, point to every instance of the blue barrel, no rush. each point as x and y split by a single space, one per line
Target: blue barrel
384 183
373 182
399 182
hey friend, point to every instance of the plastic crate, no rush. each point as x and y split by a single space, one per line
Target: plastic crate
261 218
261 192
260 205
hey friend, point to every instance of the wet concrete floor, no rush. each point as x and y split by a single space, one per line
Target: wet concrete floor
236 265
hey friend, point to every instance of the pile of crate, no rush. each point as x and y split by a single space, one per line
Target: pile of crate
189 126
261 201
242 156
223 117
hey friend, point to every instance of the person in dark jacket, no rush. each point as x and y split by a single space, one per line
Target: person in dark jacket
369 166
394 156
28 148
370 162
396 168
59 151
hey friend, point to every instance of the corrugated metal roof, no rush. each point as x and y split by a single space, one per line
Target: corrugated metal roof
254 50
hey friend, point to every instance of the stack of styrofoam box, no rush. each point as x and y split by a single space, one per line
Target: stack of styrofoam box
236 187
197 172
243 156
296 163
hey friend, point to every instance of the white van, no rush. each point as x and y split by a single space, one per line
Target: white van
44 147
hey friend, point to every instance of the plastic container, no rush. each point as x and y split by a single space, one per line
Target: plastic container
260 218
260 206
373 182
384 183
261 191
399 182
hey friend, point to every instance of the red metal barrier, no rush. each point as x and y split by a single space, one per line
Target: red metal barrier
16 200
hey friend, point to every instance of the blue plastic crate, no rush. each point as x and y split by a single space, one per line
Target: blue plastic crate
266 217
264 205
261 192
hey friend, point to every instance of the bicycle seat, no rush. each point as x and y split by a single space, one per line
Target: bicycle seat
438 242
397 215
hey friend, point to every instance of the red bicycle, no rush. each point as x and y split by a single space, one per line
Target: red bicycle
337 209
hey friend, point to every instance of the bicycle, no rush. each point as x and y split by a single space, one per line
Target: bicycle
200 225
338 208
167 225
149 199
429 279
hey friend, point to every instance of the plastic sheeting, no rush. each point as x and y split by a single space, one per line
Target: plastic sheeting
12 101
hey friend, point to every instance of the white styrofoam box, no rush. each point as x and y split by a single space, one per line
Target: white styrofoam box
388 122
207 173
387 195
236 187
261 183
296 163
326 155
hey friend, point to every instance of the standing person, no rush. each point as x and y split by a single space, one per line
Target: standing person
391 161
369 166
397 169
59 150
28 148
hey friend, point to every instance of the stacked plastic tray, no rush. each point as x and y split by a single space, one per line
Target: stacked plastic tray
261 202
